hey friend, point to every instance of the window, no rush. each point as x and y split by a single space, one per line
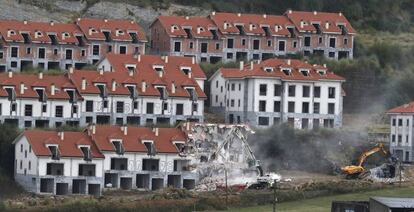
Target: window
305 123
292 90
295 44
217 46
393 138
136 105
291 107
331 92
1 55
119 107
239 103
28 110
30 165
68 54
393 121
317 92
13 107
89 106
109 48
25 154
229 55
281 46
59 111
239 86
263 90
44 108
277 90
119 148
316 123
307 41
122 49
332 42
256 44
179 109
399 138
41 53
83 53
408 122
400 122
316 107
243 42
276 106
150 108
233 86
21 147
55 51
263 121
95 50
28 50
177 46
191 45
262 106
195 107
320 40
305 107
306 91
74 109
14 52
269 43
331 54
331 108
345 41
230 42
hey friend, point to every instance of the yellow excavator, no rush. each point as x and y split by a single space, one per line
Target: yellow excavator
358 171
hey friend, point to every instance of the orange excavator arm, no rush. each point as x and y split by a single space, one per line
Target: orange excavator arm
368 153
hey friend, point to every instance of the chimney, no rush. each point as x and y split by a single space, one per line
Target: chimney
22 88
41 75
52 23
166 59
160 74
139 58
53 89
290 11
61 135
25 22
93 129
173 87
186 18
327 25
10 74
106 20
250 27
238 14
198 30
276 28
315 12
113 85
71 70
264 16
340 13
225 25
125 130
131 73
193 60
190 75
79 19
83 86
288 61
143 86
187 124
101 71
324 65
156 131
251 65
213 13
302 24
241 65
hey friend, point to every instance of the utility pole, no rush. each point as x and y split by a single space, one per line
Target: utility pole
400 170
274 195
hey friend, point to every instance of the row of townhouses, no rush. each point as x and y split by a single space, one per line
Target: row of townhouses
126 89
278 90
230 36
113 157
50 45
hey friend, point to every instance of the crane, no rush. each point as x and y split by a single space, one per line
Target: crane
358 170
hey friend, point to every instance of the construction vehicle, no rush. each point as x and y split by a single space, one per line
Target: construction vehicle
358 170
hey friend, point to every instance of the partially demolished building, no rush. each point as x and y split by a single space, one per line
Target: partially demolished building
113 157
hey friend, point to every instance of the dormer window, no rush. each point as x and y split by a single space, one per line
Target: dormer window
186 70
53 39
11 32
159 69
130 68
180 145
87 154
54 151
72 95
102 90
304 72
119 148
93 30
119 32
26 37
133 91
188 32
163 92
192 93
322 72
11 93
174 27
268 69
41 93
150 147
134 37
38 34
65 35
286 71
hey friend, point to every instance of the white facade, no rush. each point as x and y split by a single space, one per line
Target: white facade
401 136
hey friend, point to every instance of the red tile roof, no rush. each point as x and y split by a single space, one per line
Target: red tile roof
322 18
145 72
39 32
278 65
405 108
119 29
68 147
277 24
132 142
199 26
31 81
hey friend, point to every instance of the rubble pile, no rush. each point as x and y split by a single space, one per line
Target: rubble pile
220 150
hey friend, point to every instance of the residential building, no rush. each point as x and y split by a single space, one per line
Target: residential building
269 92
30 100
58 163
230 36
401 135
51 45
321 33
153 89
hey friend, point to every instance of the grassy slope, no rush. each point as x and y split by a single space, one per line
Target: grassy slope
323 204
